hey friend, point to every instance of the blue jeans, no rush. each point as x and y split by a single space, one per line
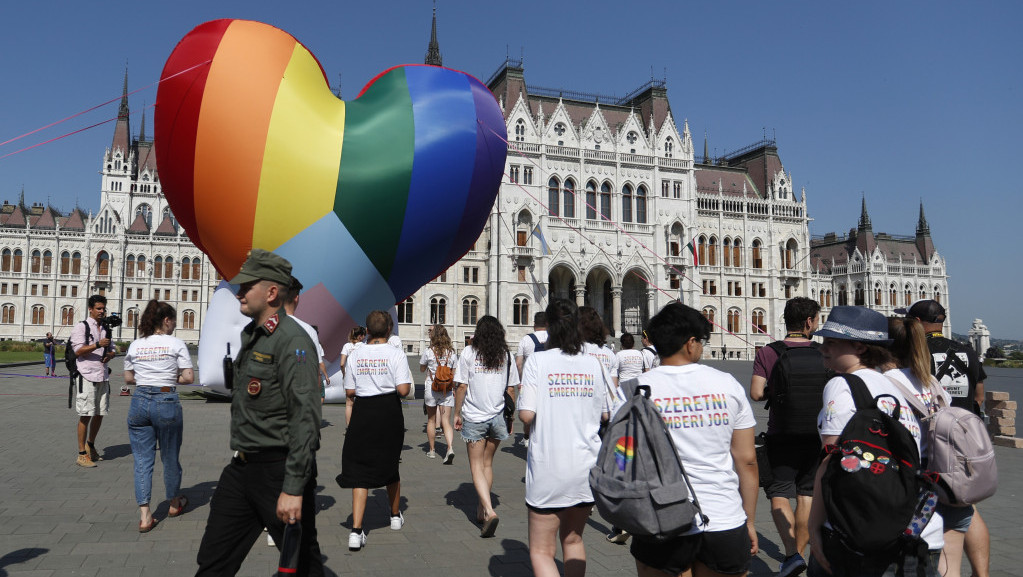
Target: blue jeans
155 416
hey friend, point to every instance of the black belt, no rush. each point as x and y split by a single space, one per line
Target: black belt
265 456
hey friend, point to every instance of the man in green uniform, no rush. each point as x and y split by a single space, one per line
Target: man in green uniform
275 420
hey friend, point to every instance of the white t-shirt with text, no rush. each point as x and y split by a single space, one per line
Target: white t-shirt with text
429 360
702 406
157 359
374 370
568 393
650 358
484 395
630 364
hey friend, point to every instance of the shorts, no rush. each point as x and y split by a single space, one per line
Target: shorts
794 460
725 552
956 518
556 510
93 400
493 429
434 398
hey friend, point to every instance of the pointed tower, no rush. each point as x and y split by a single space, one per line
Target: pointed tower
433 56
142 128
865 231
122 134
924 244
706 154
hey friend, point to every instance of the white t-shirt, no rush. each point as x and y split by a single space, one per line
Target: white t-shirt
349 347
394 341
839 408
568 393
702 406
605 355
526 346
650 359
630 364
376 370
484 396
312 336
924 394
429 360
156 360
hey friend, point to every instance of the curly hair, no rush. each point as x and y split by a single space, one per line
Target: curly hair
563 327
440 342
152 317
489 342
591 326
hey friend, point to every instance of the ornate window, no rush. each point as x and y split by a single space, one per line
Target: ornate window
196 268
470 311
726 251
438 311
937 294
38 315
591 200
520 311
76 263
909 295
733 320
186 268
893 295
158 267
708 313
520 131
65 262
17 259
641 204
859 299
737 252
67 316
553 189
877 294
5 260
103 263
669 147
758 261
141 267
168 268
627 203
132 318
758 322
129 266
188 320
8 315
790 253
843 296
605 201
701 246
712 248
405 310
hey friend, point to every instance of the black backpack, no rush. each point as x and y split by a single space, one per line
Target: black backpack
537 345
795 387
70 358
876 498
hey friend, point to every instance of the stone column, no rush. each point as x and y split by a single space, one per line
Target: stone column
580 295
651 308
616 310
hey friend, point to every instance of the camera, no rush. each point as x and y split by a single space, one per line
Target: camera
111 321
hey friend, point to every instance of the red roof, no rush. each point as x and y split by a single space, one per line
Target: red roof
74 221
139 225
166 227
711 179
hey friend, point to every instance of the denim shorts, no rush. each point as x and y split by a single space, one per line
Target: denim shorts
493 429
956 518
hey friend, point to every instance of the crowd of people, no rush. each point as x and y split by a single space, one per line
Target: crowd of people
563 384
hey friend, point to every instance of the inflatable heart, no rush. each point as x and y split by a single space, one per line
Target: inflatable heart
368 199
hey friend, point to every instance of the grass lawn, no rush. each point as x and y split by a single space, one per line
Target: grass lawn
17 356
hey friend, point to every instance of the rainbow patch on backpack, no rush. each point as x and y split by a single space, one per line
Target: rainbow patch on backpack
624 452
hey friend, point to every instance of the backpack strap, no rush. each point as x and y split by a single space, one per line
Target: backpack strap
536 341
860 393
914 403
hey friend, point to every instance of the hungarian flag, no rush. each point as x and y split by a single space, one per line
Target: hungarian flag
692 248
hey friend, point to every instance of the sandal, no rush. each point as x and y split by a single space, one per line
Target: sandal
489 527
180 509
147 528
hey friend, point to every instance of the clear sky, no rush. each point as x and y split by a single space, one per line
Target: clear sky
894 101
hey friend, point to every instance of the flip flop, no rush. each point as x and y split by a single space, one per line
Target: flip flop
182 503
147 528
489 527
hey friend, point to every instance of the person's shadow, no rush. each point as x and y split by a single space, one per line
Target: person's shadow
116 451
464 499
378 511
769 551
514 561
20 556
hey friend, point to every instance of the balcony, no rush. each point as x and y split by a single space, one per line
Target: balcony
641 228
678 262
640 159
600 225
599 155
525 147
675 163
562 151
523 251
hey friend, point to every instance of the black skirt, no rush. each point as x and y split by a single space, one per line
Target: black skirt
373 443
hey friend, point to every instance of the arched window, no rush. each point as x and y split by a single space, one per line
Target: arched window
627 203
405 309
758 261
67 316
158 267
147 213
726 251
843 296
758 322
708 313
937 294
76 263
712 251
47 262
923 292
5 260
520 311
168 267
168 214
893 295
909 295
188 320
790 253
186 268
877 294
470 311
520 130
737 252
103 263
605 201
129 266
829 300
641 204
438 311
141 267
859 299
132 318
669 147
702 250
35 262
733 320
591 200
17 259
8 315
38 315
569 198
196 264
553 189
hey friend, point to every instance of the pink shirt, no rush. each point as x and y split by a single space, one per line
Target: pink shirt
90 365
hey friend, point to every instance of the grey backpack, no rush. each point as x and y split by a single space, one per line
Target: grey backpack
639 483
959 450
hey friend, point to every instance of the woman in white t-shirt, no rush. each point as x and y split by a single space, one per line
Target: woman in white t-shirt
356 336
711 424
630 361
156 364
483 377
565 394
594 333
856 341
438 403
377 377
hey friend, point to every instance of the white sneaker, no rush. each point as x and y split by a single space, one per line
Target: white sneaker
449 458
396 522
524 442
431 455
356 541
270 540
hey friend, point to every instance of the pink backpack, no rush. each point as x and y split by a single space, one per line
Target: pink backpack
959 450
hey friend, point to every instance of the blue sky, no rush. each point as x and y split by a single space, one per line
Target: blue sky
897 101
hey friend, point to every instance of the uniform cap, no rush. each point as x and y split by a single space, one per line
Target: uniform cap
927 310
264 265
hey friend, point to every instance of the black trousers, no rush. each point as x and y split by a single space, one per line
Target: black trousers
246 501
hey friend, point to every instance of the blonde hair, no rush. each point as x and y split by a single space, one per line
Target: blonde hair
909 347
440 342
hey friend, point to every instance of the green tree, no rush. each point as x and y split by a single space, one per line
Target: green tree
994 353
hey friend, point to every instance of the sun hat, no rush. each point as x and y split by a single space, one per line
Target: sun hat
856 324
927 310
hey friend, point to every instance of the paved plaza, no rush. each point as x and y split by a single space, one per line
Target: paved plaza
59 519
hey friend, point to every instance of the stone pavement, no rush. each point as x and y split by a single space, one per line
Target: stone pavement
59 519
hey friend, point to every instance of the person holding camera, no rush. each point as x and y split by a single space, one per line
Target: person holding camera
93 349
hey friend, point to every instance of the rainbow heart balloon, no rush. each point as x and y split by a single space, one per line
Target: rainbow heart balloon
368 199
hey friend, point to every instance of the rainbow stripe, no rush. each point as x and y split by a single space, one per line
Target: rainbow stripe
624 452
368 199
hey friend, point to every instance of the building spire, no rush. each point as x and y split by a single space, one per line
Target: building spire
122 112
142 128
706 154
864 223
921 225
433 56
